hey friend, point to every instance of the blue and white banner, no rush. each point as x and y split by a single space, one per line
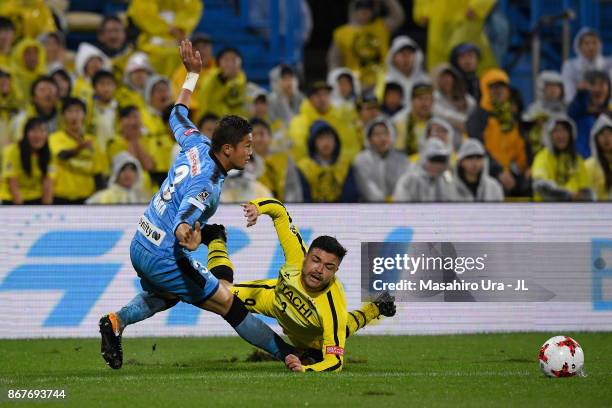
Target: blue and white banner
64 267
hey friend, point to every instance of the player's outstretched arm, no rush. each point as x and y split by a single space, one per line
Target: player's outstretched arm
193 63
288 234
182 127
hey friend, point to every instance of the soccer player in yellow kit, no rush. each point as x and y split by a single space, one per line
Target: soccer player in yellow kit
306 299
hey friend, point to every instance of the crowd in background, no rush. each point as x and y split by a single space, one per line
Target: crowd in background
388 124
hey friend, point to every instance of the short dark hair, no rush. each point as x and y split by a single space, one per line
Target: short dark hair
40 80
71 101
102 74
231 130
329 244
6 23
127 110
207 117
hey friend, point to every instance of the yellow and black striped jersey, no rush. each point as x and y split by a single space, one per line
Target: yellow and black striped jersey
310 319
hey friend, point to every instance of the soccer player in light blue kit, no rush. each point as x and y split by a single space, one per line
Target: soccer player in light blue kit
171 228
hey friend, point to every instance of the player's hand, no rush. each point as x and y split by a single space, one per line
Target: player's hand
293 363
192 60
189 238
250 213
210 232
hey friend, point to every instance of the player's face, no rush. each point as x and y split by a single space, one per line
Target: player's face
239 155
318 269
604 140
37 136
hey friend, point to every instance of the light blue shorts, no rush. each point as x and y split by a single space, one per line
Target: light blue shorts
184 278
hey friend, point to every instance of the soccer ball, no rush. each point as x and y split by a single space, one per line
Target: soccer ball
561 356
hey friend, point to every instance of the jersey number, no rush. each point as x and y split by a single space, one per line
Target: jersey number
180 174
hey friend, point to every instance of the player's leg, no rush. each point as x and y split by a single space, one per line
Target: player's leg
258 295
383 305
141 307
204 291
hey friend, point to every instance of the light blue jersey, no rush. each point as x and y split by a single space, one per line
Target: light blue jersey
190 192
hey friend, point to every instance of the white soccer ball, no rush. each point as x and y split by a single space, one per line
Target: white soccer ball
561 356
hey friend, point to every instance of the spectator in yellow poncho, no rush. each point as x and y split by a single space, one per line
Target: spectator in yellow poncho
318 107
599 165
28 63
125 185
224 89
362 44
31 17
7 38
163 24
559 173
451 22
78 160
26 167
11 103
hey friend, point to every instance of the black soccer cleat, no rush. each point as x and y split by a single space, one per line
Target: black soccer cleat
110 346
385 304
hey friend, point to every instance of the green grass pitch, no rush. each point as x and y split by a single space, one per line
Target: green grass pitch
459 371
